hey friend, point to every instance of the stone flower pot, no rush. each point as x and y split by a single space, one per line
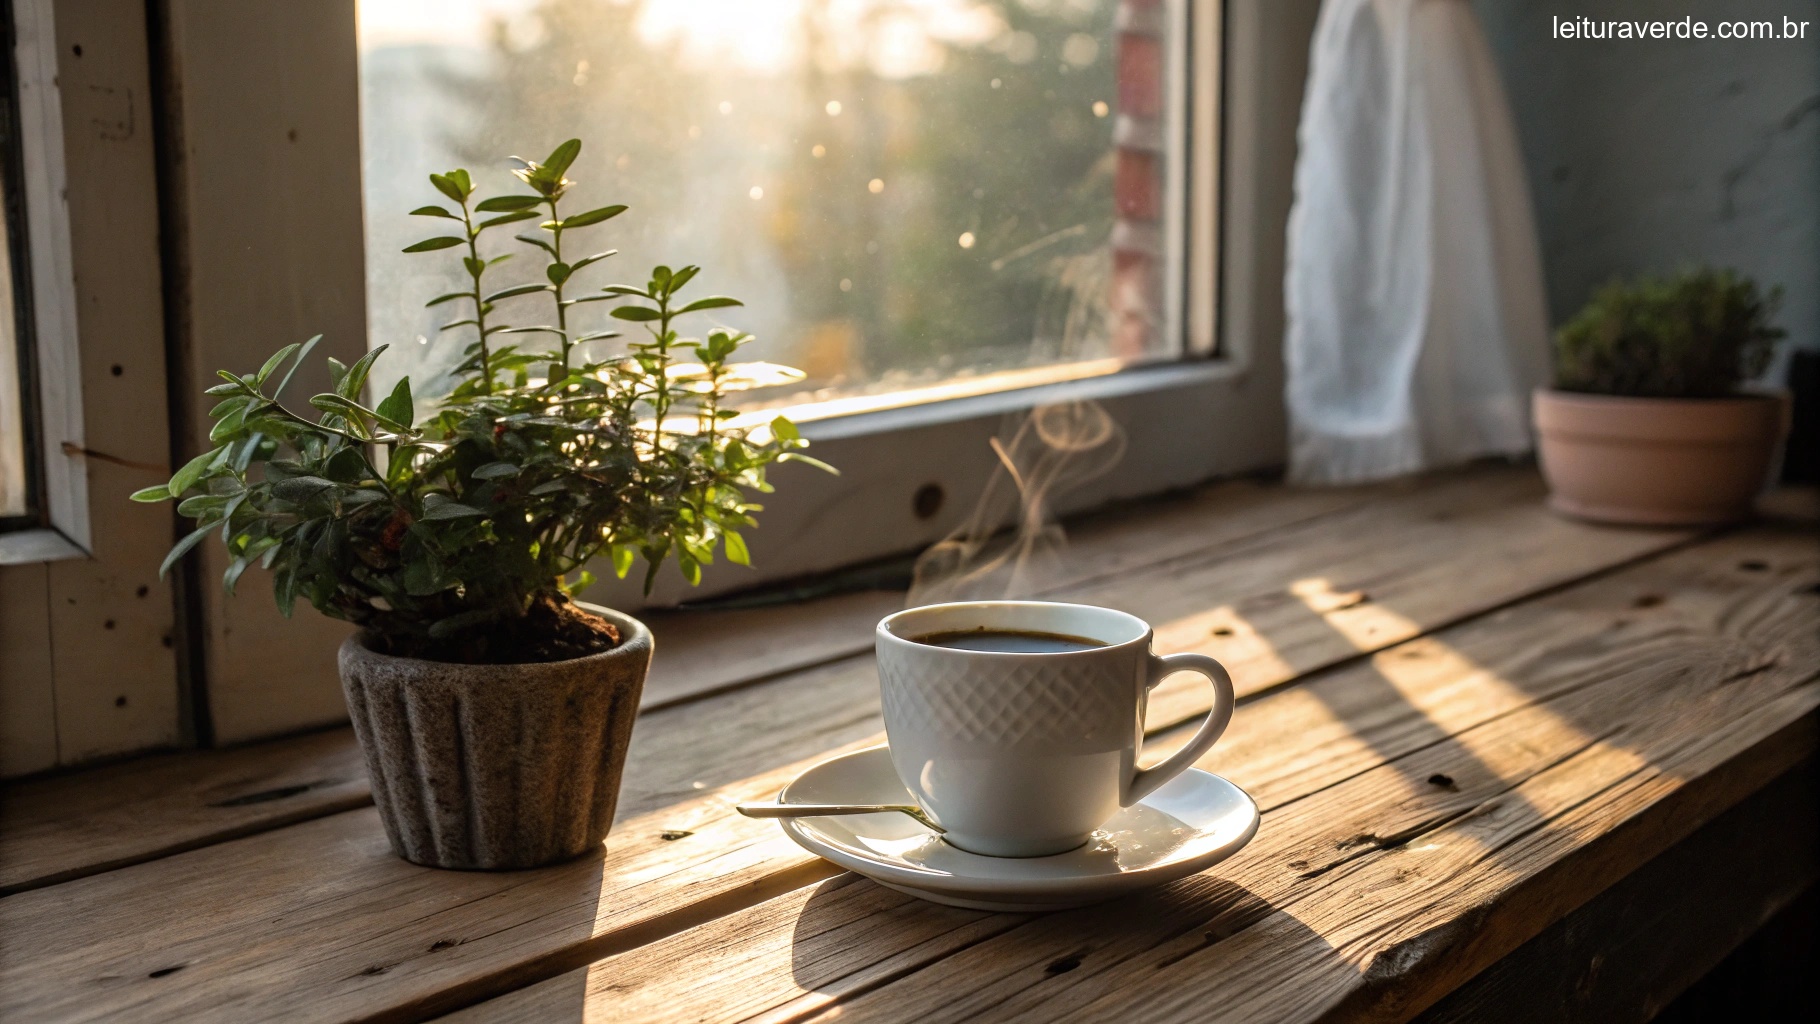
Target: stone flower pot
1657 461
496 766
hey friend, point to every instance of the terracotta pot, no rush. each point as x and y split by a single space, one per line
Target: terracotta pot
1657 461
496 766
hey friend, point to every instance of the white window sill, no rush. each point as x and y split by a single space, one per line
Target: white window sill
26 547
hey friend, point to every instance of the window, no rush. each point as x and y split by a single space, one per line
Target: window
915 197
942 211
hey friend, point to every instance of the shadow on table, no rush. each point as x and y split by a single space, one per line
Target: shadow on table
877 951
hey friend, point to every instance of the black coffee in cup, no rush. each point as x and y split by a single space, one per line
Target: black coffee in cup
1007 641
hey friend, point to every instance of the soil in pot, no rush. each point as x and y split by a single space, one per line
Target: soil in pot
554 629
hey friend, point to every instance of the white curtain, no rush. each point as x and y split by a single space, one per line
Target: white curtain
1416 318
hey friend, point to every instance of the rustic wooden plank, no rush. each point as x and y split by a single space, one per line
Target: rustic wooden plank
706 651
112 611
54 830
318 923
1417 902
1466 718
28 698
1634 948
67 826
1213 546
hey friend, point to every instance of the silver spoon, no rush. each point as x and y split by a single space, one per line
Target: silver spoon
780 810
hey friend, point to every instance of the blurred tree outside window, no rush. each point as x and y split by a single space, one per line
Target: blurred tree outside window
905 192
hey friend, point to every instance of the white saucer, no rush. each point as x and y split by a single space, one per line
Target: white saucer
1194 821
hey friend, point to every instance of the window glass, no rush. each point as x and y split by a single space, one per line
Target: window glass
908 194
15 453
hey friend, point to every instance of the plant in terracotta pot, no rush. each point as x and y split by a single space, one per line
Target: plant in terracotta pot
493 709
1647 422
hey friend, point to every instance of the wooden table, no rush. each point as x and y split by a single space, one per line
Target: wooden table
1511 767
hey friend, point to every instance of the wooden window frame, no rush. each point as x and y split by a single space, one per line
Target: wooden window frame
260 111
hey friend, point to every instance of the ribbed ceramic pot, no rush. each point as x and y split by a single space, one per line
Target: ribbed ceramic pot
1658 461
492 767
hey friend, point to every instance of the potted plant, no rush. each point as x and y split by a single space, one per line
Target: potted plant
1647 422
494 710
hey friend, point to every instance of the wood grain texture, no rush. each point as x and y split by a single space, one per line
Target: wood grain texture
1213 541
108 610
1634 948
55 834
321 921
28 697
1449 747
265 225
67 826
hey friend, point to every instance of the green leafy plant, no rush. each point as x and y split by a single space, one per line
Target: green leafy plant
1697 335
462 535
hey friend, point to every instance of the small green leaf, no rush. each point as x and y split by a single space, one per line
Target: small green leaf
183 547
451 510
538 242
712 302
583 580
596 258
808 460
450 297
558 273
622 560
445 183
736 549
680 278
349 386
495 471
560 158
277 359
636 313
302 354
784 430
299 489
432 244
397 406
161 492
433 211
523 289
507 218
582 220
503 204
192 471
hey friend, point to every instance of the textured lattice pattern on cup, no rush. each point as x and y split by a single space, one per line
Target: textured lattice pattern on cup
1020 702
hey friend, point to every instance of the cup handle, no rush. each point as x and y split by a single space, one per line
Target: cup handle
1145 781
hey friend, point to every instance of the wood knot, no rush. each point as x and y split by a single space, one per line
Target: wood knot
1753 565
673 834
1064 965
165 972
1444 781
1648 601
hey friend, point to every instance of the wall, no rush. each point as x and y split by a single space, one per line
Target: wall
87 667
1647 156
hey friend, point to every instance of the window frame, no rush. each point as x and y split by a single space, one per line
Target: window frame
265 130
1216 410
62 527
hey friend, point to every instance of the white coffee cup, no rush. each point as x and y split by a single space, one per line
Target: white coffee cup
1020 754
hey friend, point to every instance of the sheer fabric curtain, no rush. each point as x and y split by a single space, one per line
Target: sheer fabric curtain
1416 318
